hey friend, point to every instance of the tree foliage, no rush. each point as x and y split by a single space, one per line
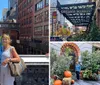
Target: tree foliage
92 35
60 63
91 61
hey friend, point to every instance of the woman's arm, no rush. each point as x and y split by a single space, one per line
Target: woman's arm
15 55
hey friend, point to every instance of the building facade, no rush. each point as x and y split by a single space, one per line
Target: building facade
41 25
33 16
58 21
41 20
60 17
4 12
25 18
12 10
97 11
12 3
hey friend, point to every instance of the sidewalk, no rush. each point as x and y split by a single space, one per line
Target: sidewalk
82 82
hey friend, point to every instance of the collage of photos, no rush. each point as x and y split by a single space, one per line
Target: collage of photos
24 36
50 42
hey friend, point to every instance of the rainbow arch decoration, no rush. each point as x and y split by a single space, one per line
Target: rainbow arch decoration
72 46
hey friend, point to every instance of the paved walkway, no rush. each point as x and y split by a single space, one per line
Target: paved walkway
81 82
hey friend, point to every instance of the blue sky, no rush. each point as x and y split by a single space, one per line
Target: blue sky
3 4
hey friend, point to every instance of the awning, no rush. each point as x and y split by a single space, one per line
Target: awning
79 14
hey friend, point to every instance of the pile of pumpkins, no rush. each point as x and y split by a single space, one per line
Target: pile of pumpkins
67 80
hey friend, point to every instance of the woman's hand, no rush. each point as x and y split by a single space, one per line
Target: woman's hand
5 61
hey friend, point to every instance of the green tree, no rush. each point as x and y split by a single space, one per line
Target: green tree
92 35
91 61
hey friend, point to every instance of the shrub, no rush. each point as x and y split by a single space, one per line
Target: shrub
60 63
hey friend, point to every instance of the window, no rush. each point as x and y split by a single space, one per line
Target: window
47 2
38 30
38 18
46 29
46 15
39 5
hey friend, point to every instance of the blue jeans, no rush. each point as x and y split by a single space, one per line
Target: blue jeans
78 75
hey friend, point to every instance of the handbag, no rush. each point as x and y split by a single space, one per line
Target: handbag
16 69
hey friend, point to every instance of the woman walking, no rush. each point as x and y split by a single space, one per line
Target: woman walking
77 69
9 54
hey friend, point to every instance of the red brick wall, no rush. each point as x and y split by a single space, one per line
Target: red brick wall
25 18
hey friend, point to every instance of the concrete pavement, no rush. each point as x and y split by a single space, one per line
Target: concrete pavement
82 82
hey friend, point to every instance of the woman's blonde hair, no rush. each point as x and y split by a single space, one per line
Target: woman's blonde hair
6 36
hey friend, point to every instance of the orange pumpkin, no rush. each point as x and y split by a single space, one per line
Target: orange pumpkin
57 82
67 74
72 82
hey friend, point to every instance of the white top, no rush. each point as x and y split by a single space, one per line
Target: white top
6 54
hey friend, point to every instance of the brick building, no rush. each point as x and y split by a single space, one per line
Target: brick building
25 18
33 16
41 20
